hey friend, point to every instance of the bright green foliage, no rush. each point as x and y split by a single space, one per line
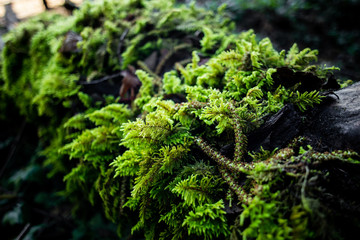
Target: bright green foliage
158 166
265 217
195 192
172 83
207 220
299 59
44 80
303 100
146 90
95 148
41 77
24 60
266 221
161 145
113 113
215 40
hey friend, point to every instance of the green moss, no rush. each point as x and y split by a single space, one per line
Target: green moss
156 166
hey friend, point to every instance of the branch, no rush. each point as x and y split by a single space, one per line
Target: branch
106 78
222 160
121 41
237 189
23 231
161 64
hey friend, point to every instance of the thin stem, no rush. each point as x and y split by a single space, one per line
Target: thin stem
237 189
106 78
23 231
121 41
161 64
240 137
222 160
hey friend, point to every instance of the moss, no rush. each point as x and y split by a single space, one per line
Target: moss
157 164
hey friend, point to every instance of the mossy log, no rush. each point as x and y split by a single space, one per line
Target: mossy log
215 134
334 124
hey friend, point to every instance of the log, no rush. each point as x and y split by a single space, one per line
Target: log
334 124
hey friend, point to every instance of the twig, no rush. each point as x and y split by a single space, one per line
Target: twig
185 61
13 147
23 231
157 78
106 78
122 37
303 198
161 64
144 67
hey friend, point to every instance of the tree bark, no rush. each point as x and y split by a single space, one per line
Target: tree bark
334 124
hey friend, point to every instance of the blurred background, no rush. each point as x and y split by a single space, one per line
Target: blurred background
331 26
27 8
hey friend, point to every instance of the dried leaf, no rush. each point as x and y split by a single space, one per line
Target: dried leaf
130 82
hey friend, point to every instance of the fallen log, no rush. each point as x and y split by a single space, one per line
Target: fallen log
334 124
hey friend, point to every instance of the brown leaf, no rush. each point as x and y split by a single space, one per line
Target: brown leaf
130 82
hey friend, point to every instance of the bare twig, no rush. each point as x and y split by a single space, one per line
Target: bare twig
122 37
106 78
144 67
161 64
23 231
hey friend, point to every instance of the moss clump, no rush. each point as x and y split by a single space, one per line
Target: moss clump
180 183
158 163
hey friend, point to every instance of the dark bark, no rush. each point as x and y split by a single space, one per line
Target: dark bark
334 124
